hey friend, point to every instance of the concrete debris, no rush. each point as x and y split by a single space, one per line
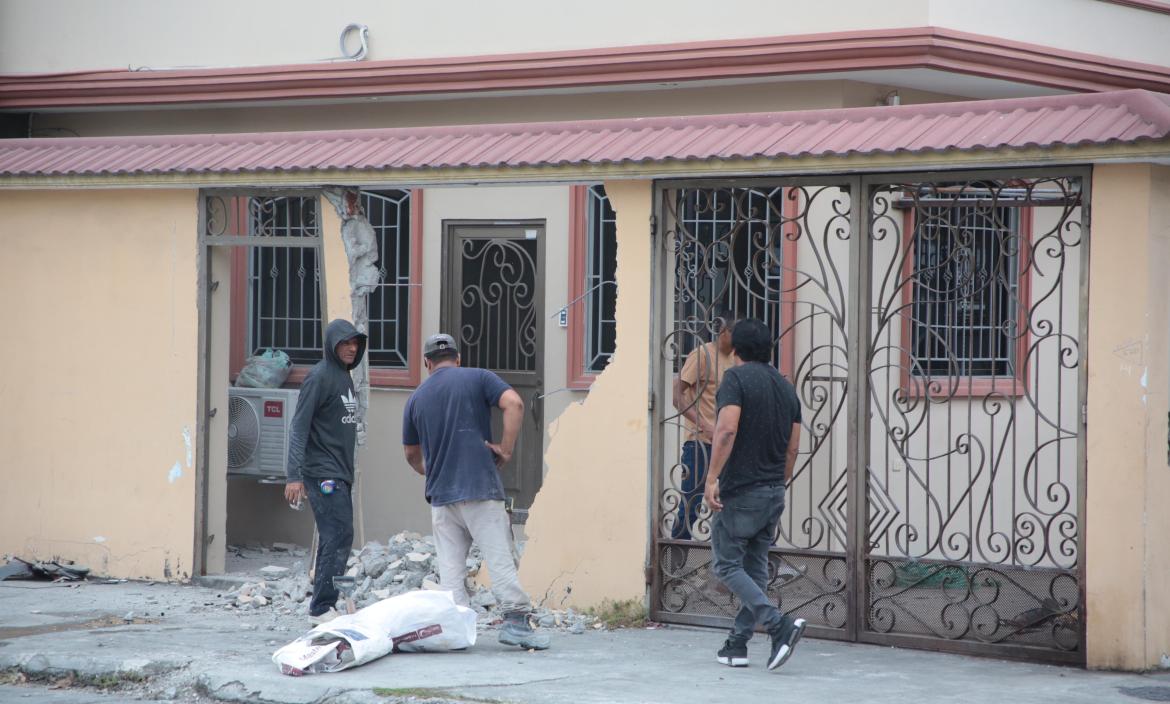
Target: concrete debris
273 571
381 570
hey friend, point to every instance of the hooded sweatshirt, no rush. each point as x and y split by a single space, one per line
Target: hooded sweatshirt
324 426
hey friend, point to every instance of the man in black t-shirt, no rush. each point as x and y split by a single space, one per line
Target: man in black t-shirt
757 432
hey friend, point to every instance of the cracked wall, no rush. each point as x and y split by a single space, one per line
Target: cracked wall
587 528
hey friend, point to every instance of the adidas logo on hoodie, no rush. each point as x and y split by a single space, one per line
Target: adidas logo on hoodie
351 406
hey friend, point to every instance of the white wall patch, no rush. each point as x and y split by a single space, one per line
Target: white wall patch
187 443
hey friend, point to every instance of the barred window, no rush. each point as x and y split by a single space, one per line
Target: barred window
966 290
600 280
284 293
389 306
732 257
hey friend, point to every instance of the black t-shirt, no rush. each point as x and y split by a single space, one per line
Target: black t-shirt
768 409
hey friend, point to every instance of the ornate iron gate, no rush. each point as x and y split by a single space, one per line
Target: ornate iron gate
937 497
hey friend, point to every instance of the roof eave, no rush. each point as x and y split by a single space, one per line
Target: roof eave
1144 151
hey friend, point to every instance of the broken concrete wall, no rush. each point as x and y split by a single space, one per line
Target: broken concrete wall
99 388
587 529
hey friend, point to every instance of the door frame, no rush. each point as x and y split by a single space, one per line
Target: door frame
447 303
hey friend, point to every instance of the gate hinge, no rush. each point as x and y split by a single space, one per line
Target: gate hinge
1084 415
650 403
653 226
649 572
213 286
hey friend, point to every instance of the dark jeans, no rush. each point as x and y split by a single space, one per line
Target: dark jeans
334 516
695 455
741 536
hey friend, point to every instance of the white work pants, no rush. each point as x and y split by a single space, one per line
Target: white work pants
455 526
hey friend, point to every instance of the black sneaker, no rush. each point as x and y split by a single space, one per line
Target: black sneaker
784 642
733 653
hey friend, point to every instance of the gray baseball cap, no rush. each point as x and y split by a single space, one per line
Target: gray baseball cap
437 343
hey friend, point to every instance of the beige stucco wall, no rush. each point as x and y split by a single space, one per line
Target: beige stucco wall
588 527
224 33
1127 557
98 439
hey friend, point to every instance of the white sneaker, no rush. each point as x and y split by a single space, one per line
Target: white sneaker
325 617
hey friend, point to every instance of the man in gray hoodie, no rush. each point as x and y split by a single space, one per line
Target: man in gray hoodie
320 456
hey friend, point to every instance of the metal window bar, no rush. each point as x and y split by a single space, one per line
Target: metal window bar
736 241
389 307
600 277
966 288
284 282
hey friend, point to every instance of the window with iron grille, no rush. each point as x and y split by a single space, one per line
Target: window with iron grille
389 306
732 256
284 292
600 280
966 290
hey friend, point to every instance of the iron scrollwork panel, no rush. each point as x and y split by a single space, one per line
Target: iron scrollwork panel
974 385
497 303
779 254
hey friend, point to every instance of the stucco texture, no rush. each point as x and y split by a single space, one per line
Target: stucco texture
587 529
99 384
1127 556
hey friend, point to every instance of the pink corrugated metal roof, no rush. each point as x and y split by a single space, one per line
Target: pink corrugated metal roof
1070 120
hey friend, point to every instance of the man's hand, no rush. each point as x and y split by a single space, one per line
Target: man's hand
711 496
294 492
706 426
499 453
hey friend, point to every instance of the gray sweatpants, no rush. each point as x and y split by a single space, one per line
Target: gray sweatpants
455 526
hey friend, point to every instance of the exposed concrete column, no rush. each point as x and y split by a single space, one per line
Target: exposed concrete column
587 528
334 266
1127 557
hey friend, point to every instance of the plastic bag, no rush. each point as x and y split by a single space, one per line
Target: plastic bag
419 621
267 370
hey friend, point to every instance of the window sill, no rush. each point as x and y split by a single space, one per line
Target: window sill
946 388
394 378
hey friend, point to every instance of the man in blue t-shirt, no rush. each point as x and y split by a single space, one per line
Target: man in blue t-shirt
447 438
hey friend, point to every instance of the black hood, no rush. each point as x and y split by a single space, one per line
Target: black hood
339 331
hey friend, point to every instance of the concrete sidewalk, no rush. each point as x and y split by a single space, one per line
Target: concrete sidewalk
180 644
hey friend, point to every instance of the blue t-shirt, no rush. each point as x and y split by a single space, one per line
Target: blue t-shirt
450 416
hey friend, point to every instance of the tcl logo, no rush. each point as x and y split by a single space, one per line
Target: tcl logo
274 409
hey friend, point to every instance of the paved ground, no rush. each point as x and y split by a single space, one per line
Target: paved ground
180 644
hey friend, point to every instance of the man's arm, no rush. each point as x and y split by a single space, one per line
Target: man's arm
414 457
790 454
684 401
513 407
298 438
685 397
726 427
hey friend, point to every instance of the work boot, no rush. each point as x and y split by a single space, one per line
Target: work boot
517 631
784 640
733 653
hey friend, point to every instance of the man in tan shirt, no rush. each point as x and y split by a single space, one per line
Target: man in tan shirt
694 398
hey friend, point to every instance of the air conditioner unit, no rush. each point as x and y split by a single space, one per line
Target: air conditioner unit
258 429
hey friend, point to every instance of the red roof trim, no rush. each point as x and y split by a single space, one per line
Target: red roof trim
1147 5
922 47
1069 120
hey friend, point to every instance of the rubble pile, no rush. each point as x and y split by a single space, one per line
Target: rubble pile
379 571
